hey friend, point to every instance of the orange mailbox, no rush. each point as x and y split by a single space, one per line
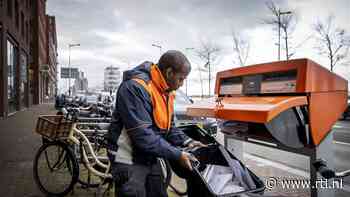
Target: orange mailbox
298 101
287 105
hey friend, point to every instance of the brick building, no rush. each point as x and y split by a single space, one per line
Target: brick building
15 55
50 85
39 66
28 54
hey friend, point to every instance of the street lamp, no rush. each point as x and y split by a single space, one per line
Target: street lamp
160 48
69 48
279 30
187 49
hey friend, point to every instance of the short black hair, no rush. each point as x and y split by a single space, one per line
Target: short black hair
173 59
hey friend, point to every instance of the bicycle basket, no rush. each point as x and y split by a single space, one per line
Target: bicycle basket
53 126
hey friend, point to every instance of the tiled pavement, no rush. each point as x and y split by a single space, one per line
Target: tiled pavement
18 144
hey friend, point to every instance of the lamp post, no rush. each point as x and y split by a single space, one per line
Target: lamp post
187 49
69 49
160 48
279 30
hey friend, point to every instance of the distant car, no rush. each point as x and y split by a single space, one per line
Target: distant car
91 99
181 118
69 99
347 111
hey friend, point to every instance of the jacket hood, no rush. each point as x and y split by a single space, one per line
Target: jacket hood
147 71
142 71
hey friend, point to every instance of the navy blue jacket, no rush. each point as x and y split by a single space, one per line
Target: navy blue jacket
133 124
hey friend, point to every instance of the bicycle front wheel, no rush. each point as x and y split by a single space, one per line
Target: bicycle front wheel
55 169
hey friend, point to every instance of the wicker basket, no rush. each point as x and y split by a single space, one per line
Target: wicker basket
53 126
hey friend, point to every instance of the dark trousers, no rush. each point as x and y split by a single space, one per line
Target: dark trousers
138 180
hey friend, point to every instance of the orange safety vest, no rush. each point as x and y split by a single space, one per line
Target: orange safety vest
162 101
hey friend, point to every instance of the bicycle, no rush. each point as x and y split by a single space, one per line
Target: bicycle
56 165
166 169
57 156
96 136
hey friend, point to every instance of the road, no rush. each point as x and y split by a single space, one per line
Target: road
342 146
342 131
293 163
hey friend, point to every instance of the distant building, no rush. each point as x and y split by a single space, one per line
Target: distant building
81 83
44 53
112 78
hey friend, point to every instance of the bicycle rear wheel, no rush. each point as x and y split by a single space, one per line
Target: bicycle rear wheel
55 169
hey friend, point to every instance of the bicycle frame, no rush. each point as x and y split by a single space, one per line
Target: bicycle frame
85 141
93 120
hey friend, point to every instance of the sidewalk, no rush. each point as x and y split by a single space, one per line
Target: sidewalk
18 144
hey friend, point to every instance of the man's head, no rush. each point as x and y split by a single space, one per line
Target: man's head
175 67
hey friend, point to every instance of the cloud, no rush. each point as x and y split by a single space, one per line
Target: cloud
121 33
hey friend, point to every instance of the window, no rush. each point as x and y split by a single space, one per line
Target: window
16 14
27 31
22 23
30 29
9 8
11 76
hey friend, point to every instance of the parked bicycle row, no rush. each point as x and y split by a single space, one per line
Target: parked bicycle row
84 110
74 151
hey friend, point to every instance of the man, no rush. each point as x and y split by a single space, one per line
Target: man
142 129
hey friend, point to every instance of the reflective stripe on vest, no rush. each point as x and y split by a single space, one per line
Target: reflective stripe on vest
163 105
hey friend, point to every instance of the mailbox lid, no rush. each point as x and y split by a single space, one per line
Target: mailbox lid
259 109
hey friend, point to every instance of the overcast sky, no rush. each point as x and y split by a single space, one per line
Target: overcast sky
121 32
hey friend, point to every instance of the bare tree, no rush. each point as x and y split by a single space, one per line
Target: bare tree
200 70
282 20
208 52
293 49
332 41
241 48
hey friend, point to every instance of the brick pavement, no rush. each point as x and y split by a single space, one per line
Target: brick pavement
19 143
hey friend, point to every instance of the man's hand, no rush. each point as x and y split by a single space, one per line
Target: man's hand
195 143
185 160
